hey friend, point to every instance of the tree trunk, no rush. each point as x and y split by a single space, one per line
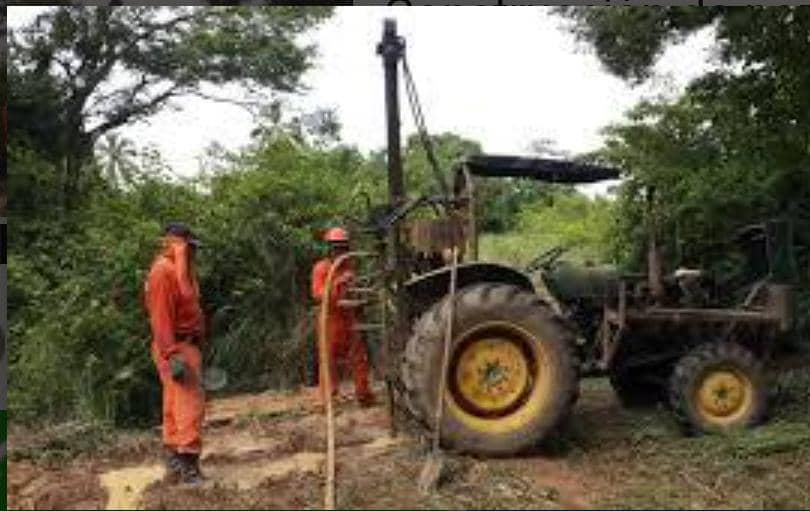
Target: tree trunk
78 150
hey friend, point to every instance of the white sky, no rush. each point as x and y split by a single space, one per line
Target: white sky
504 76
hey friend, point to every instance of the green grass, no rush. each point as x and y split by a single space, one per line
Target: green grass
645 461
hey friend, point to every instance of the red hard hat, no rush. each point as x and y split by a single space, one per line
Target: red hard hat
336 234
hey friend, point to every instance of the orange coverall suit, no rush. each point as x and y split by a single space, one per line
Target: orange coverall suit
344 341
173 302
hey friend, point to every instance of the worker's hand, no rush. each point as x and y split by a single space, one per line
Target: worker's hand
345 279
178 368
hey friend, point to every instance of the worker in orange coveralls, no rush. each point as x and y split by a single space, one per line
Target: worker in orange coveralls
172 299
344 340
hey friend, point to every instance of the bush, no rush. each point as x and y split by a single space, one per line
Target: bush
81 335
565 218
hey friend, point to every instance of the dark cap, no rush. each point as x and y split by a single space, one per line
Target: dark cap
181 230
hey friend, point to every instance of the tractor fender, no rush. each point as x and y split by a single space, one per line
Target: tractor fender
428 288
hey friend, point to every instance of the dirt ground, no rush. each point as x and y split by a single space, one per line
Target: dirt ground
266 451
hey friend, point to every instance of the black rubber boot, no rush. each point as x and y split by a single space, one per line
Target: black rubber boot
191 473
175 466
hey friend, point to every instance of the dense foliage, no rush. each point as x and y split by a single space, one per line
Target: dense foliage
564 218
79 328
76 275
733 150
77 73
89 213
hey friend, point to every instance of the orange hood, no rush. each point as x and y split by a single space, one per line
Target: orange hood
176 250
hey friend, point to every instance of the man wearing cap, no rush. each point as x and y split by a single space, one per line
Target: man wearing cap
172 299
344 340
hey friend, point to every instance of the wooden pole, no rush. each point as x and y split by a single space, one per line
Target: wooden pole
448 339
387 362
326 377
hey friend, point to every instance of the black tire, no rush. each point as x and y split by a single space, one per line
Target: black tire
493 317
633 391
691 386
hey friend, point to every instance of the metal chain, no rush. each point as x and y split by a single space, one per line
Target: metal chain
419 121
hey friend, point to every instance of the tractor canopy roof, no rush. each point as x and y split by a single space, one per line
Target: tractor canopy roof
541 169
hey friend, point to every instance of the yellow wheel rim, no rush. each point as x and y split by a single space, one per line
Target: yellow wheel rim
723 396
500 378
492 374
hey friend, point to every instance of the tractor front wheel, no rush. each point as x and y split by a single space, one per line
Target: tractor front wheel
512 375
718 387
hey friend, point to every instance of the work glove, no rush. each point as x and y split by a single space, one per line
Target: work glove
342 285
178 368
345 279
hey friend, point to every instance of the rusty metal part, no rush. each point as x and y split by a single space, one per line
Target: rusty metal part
766 311
352 304
781 304
464 197
677 315
363 290
392 50
655 272
614 324
436 235
472 226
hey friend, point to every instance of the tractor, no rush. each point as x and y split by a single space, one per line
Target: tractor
509 377
686 339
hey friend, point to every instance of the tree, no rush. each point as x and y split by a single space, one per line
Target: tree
760 93
628 40
116 154
753 110
34 111
320 127
111 66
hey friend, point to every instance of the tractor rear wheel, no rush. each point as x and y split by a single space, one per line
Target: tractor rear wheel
718 387
512 373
